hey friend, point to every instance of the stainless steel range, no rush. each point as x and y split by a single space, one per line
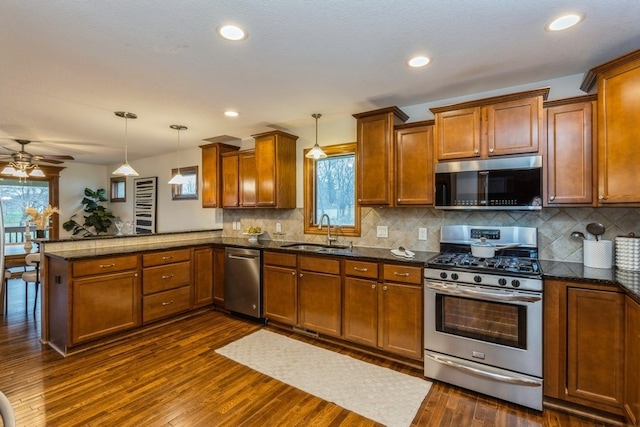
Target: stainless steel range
483 316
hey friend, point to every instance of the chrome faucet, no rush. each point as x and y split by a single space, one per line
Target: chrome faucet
330 238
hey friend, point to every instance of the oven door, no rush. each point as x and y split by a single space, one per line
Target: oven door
490 326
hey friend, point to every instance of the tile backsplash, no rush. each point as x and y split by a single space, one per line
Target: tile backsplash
554 226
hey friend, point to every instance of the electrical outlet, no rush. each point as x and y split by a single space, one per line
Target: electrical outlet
233 225
422 233
278 227
382 231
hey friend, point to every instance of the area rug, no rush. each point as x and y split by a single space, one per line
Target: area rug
378 393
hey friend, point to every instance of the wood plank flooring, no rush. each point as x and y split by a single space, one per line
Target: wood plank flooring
171 376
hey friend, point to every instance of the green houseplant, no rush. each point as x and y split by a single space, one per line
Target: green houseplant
99 218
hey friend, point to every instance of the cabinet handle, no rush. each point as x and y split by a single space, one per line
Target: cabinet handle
399 200
601 197
491 150
373 286
293 273
401 274
300 274
476 151
167 302
167 276
106 265
360 269
384 288
166 258
359 200
552 198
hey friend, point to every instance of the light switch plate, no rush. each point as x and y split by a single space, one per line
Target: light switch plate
382 231
422 233
278 227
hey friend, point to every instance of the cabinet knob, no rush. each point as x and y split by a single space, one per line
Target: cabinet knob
293 273
384 288
359 200
476 151
373 286
491 150
552 198
399 200
300 274
601 197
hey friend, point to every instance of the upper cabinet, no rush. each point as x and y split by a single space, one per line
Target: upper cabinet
212 173
618 131
375 156
570 151
276 169
413 171
497 126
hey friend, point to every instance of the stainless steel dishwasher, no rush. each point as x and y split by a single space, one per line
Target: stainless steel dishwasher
242 284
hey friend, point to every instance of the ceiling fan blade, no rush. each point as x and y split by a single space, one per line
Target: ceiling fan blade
46 160
55 157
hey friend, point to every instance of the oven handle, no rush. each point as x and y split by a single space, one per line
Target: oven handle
491 296
479 372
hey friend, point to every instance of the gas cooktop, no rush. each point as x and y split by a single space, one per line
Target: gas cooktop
499 264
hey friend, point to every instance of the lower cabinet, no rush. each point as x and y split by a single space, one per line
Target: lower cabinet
584 344
320 295
632 362
166 284
218 276
202 276
279 287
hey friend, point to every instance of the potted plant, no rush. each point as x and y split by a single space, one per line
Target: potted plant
99 218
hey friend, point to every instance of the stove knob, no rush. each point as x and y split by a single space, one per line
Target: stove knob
454 276
502 281
443 275
515 283
477 279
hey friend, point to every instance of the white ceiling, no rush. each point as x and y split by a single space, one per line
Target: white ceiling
67 65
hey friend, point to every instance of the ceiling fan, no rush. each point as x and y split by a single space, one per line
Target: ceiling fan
22 164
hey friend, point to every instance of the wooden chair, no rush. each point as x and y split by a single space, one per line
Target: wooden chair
32 260
6 411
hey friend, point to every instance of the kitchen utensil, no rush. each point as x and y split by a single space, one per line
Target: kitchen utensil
484 249
596 229
578 235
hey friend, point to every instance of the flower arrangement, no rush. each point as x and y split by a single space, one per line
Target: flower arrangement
41 220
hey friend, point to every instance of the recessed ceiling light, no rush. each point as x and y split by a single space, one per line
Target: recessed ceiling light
232 32
418 61
564 22
230 113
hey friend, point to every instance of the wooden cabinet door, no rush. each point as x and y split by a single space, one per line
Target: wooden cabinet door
218 276
361 311
595 339
276 169
570 170
202 277
632 361
414 166
231 180
212 173
247 178
104 304
266 170
513 126
280 294
320 302
400 319
457 133
619 133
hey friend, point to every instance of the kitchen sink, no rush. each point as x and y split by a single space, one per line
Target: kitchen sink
317 247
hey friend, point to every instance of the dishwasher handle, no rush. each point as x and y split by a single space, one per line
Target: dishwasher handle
249 257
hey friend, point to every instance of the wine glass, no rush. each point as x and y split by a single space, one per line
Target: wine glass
119 225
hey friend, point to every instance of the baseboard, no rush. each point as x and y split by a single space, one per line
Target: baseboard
584 412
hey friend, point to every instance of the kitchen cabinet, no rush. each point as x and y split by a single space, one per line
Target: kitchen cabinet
375 155
92 298
497 126
247 169
279 287
413 180
203 271
584 344
319 295
218 276
632 361
570 152
212 173
166 283
239 179
618 83
275 169
361 293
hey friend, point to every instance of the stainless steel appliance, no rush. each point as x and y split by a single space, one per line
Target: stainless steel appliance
242 282
510 183
483 316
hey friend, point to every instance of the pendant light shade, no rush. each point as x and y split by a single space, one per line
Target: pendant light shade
316 152
125 169
178 178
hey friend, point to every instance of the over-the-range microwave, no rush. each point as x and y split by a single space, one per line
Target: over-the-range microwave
509 183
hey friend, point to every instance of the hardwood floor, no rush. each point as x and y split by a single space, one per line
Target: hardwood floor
171 376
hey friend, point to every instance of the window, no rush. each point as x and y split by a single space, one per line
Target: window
330 188
119 189
188 190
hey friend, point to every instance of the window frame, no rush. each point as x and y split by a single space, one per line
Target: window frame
309 173
116 183
177 189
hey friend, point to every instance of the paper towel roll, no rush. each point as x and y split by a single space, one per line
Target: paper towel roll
598 253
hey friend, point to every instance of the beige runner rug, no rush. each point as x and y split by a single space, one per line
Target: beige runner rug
378 393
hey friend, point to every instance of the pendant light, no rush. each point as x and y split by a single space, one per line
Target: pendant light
125 169
316 152
178 179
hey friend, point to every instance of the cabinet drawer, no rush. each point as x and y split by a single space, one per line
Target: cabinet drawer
402 273
322 265
161 278
166 303
165 257
104 265
277 258
361 269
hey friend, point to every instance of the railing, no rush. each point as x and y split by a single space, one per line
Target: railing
17 234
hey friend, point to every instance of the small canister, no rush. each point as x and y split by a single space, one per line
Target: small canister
598 253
